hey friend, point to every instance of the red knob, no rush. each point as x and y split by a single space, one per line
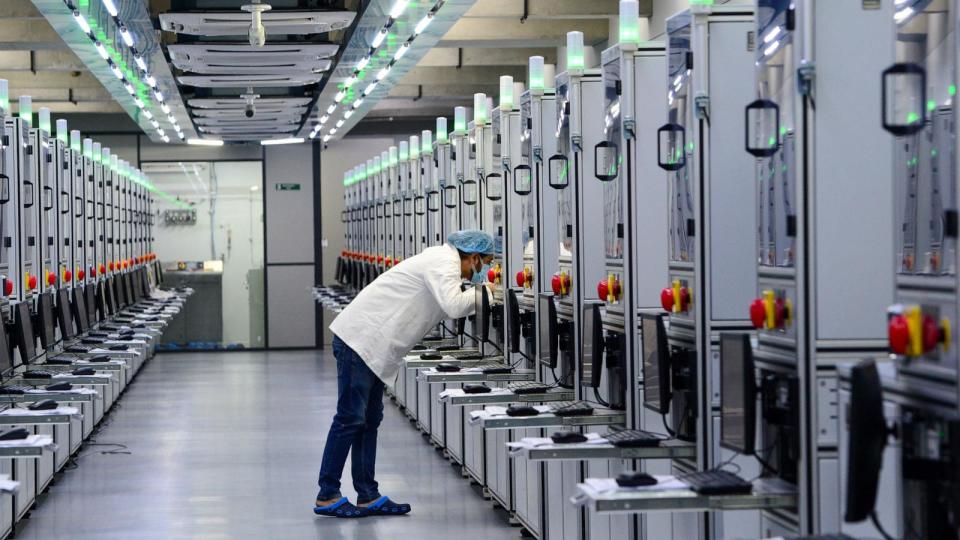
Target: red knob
684 298
380 259
81 274
7 287
931 333
102 270
51 278
67 275
32 282
603 289
666 298
780 312
556 284
521 279
758 313
125 264
110 266
492 275
898 334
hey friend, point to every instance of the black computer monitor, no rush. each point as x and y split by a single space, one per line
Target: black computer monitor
80 313
25 339
738 393
159 271
868 437
119 302
90 303
48 333
656 363
513 307
6 356
549 333
591 366
65 314
111 298
128 288
481 319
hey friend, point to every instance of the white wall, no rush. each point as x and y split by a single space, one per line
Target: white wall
238 238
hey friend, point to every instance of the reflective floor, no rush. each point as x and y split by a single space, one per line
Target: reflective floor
228 445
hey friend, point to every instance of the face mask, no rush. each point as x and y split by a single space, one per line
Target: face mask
480 275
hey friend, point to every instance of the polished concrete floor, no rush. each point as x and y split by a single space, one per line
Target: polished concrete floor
227 445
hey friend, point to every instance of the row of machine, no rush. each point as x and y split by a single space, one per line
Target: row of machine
80 305
727 278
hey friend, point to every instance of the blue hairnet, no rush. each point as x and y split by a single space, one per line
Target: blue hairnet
472 241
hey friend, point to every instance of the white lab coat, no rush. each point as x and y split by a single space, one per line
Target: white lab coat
393 313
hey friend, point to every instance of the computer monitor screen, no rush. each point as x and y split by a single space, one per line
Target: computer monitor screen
127 288
6 358
65 314
23 328
90 303
48 333
80 313
548 331
482 313
656 363
868 437
513 306
738 393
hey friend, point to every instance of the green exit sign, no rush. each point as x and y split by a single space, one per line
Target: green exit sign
287 187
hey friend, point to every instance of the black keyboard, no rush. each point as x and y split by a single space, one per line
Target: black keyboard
631 438
571 408
528 387
14 390
716 483
494 369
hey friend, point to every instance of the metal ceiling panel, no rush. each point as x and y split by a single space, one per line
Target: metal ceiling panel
253 81
244 59
245 130
239 113
264 120
238 103
236 23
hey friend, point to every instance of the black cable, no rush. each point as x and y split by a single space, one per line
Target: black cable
876 523
666 426
596 394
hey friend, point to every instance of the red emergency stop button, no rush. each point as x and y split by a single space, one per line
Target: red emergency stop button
102 269
931 333
7 287
666 298
109 266
758 312
380 259
898 334
521 279
67 276
51 278
556 284
32 282
603 290
81 274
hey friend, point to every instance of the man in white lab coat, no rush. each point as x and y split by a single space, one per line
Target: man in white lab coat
371 336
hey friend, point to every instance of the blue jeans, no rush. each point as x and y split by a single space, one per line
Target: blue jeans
359 412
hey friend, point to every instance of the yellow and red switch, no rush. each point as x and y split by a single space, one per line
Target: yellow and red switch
770 311
610 289
910 332
525 277
676 298
560 283
494 275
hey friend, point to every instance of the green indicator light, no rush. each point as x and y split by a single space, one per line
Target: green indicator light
952 89
83 3
575 61
701 2
772 141
690 146
933 152
783 130
913 118
931 105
